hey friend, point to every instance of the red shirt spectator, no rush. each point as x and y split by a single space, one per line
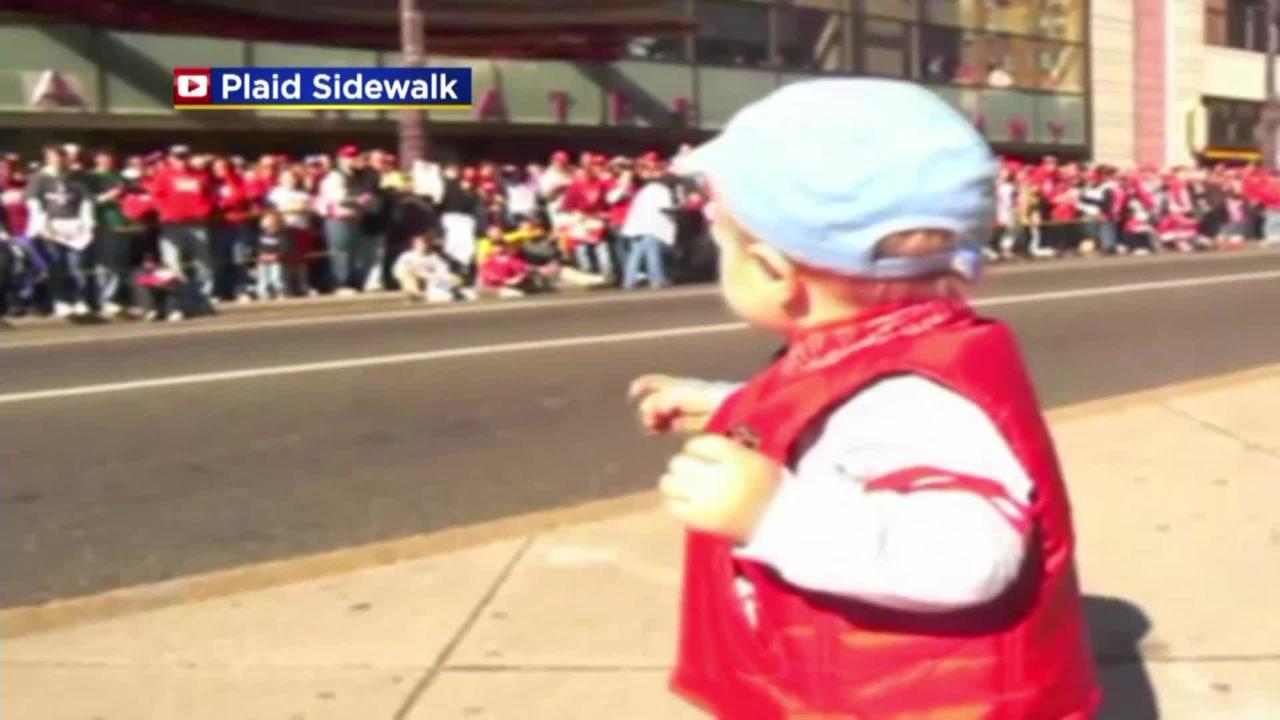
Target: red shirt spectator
259 182
183 194
137 205
1063 204
1267 192
503 268
14 201
618 195
586 194
234 203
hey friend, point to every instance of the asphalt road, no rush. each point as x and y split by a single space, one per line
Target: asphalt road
134 454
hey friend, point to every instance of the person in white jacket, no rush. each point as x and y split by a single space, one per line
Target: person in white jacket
650 228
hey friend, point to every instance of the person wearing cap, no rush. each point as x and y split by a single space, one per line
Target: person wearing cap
185 200
339 204
553 182
581 220
877 524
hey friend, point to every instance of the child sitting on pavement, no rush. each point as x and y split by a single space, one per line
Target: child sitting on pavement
877 524
162 287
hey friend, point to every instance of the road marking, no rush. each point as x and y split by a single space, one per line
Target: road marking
362 362
1125 288
30 619
212 326
448 353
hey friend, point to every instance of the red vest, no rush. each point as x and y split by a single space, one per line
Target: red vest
1024 656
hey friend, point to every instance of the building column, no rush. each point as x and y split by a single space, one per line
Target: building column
412 123
1150 81
1112 107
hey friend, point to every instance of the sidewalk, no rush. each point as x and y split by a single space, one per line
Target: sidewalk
1175 497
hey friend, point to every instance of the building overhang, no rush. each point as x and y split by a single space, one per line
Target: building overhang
569 29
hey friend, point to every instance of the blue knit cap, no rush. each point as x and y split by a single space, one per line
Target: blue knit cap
824 169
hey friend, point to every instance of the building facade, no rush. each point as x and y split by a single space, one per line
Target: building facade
1022 70
1178 81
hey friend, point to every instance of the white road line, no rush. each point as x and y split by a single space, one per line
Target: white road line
1126 288
1127 261
362 362
211 326
430 355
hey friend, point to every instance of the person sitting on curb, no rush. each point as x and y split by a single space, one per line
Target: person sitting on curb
163 287
424 273
510 275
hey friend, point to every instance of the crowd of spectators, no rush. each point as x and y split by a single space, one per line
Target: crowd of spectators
173 234
1048 209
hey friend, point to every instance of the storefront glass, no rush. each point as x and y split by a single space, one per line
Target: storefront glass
810 39
732 33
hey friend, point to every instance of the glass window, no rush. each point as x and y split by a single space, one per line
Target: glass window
959 57
668 48
1061 20
1020 17
1004 61
942 55
664 48
810 39
1060 120
900 9
732 33
1246 28
956 13
1008 115
886 48
1061 67
1233 124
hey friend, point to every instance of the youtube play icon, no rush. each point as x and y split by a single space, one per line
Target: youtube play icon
192 86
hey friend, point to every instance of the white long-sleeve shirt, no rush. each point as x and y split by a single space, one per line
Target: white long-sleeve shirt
335 199
923 549
648 214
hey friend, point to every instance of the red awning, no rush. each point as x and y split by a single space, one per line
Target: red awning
571 29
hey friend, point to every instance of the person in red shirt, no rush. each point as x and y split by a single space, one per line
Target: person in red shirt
505 271
233 234
185 201
583 211
261 180
1062 234
1269 198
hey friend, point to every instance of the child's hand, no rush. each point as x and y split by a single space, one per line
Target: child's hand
671 404
718 486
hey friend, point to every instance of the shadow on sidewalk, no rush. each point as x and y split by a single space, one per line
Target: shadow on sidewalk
1116 628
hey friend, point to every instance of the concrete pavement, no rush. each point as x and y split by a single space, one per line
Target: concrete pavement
132 459
1174 490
